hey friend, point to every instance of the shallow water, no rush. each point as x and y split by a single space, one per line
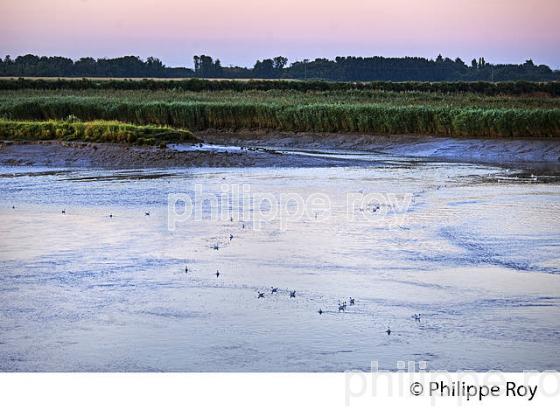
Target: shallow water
477 254
206 148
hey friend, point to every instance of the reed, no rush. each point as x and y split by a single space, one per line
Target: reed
327 117
95 131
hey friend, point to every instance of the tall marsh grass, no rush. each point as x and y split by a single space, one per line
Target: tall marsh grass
317 117
95 131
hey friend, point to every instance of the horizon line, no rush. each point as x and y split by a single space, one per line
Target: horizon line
144 58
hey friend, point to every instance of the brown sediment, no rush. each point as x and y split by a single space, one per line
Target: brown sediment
528 154
108 155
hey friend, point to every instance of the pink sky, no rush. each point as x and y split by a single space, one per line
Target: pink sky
240 31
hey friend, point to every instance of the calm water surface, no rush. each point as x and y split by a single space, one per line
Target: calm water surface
477 254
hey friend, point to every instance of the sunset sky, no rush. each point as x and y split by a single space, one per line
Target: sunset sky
240 31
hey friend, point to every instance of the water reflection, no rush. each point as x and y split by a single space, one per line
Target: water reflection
476 256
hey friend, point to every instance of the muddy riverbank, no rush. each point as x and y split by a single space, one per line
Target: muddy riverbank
281 149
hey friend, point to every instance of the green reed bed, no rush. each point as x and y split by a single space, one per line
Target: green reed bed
446 120
94 131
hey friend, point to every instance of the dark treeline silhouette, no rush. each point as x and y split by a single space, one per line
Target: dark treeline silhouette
129 66
339 69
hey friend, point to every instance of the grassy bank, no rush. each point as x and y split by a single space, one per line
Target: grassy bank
445 120
95 131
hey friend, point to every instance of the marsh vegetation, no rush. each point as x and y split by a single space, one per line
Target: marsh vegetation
411 108
72 129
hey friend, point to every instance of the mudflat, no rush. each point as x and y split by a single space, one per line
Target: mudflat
274 149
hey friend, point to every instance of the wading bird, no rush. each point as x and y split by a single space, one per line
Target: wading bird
186 269
217 273
388 331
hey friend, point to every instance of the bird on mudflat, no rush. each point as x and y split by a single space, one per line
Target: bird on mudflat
388 331
293 294
230 236
273 290
147 213
217 273
63 212
417 317
352 301
261 295
320 311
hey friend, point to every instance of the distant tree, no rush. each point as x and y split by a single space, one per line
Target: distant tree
264 68
28 59
279 63
474 64
204 66
217 68
154 62
459 61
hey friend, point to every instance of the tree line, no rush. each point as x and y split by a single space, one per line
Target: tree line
339 69
30 65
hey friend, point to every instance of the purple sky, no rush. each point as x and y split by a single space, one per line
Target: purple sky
240 31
